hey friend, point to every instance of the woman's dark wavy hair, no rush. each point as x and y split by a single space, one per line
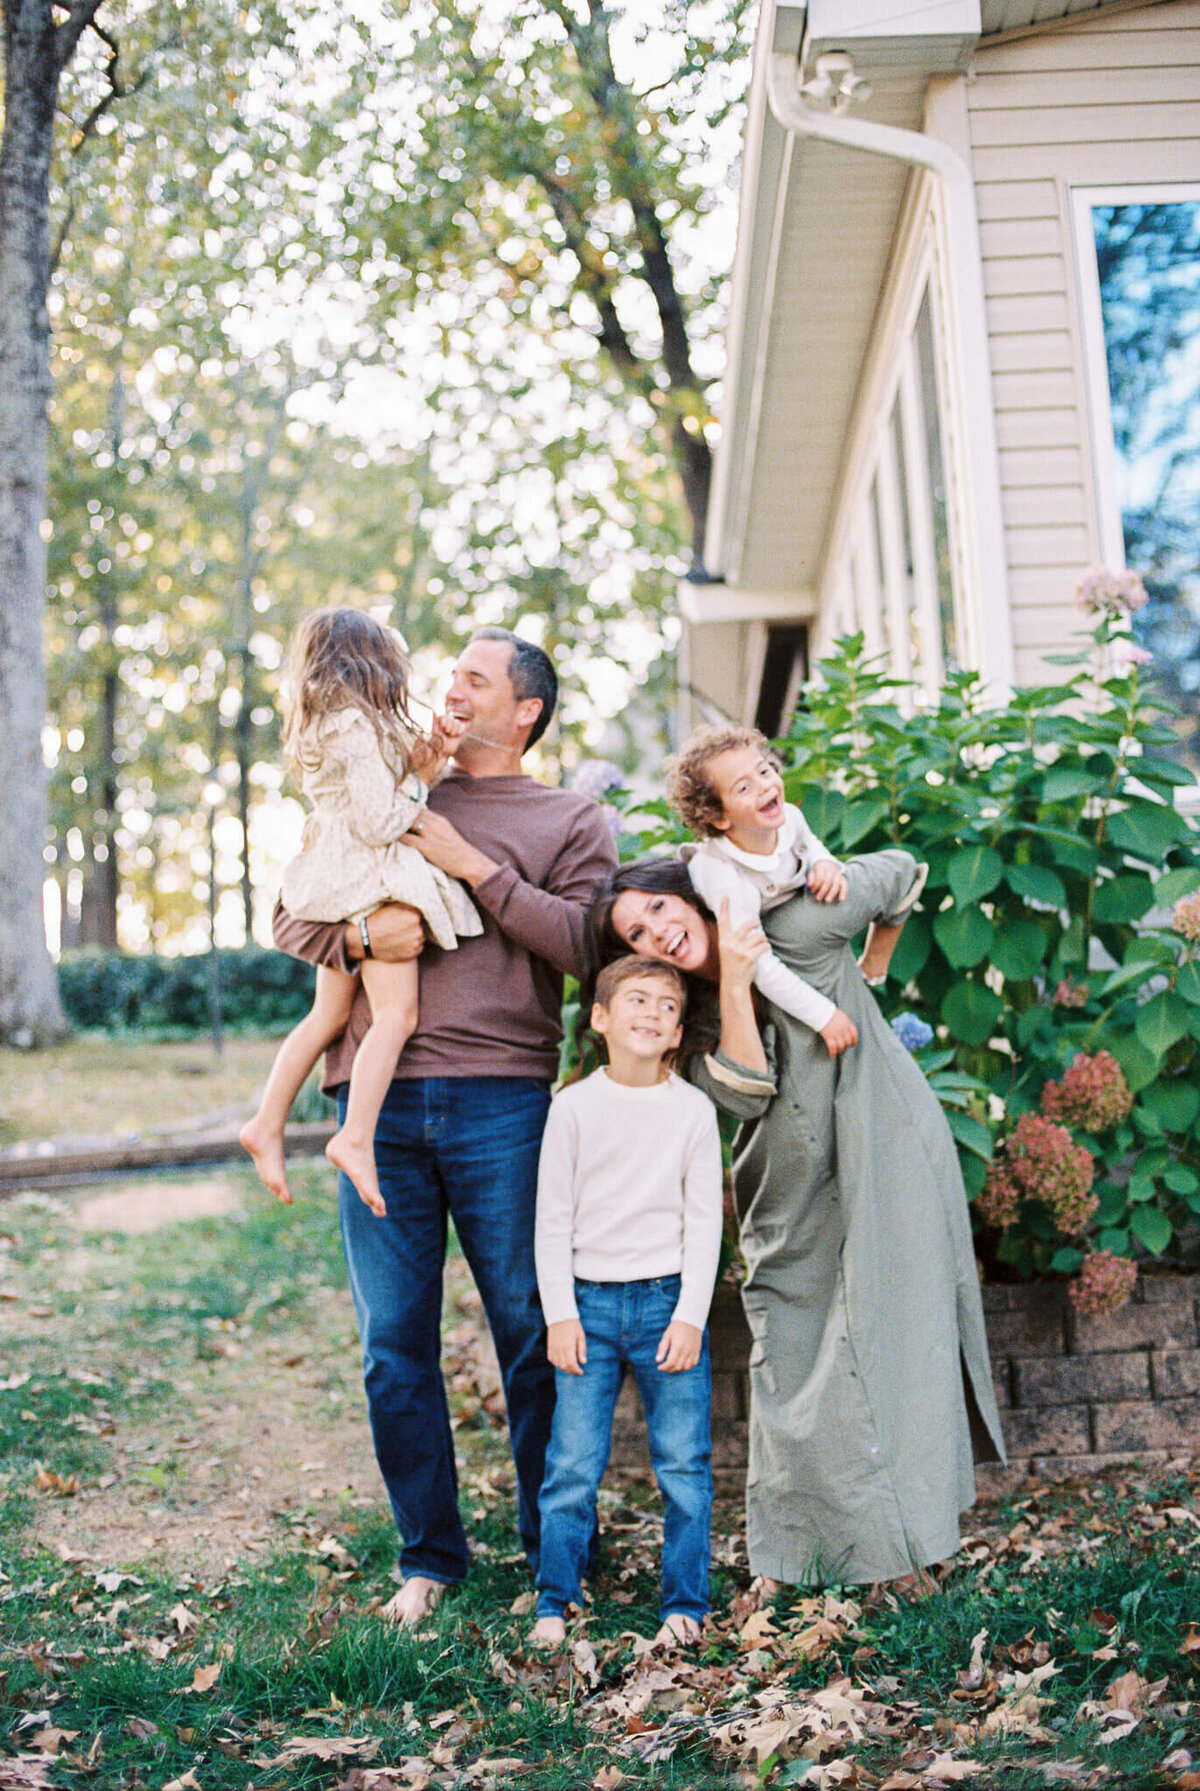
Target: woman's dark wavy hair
649 876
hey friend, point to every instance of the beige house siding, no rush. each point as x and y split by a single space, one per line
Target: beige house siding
1104 102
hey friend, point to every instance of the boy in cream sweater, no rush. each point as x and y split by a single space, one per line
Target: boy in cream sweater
627 1243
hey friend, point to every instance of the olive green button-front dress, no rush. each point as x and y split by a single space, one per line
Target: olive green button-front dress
871 1390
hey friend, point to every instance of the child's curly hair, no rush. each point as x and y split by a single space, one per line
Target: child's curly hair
343 659
689 788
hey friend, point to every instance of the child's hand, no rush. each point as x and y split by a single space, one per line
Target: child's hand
840 1033
679 1347
566 1345
739 947
827 881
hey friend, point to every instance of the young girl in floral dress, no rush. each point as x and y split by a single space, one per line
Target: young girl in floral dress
366 769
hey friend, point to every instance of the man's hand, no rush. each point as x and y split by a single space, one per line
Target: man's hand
396 932
566 1345
827 881
443 845
679 1347
840 1033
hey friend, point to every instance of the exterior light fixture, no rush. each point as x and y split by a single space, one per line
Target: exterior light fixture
835 86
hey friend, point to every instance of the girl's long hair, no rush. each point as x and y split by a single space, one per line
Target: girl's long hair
345 659
650 876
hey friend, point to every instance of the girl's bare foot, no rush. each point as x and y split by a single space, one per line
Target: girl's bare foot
416 1600
266 1149
680 1629
766 1588
548 1632
358 1162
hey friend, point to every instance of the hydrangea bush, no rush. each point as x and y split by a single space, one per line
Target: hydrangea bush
1056 949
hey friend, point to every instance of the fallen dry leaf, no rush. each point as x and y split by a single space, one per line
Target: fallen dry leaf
608 1779
758 1626
336 1747
944 1769
26 1772
182 1618
204 1678
189 1782
50 1740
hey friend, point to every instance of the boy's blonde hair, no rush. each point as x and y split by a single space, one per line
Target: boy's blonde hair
623 970
689 787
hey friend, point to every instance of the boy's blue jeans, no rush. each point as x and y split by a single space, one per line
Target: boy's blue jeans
464 1147
623 1322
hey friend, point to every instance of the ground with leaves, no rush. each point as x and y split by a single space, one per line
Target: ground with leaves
194 1555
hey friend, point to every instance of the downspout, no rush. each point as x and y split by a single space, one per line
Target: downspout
968 340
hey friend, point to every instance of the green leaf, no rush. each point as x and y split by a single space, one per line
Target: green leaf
1148 829
1116 1239
1065 1262
1139 1064
1174 1103
912 950
861 817
974 1174
1167 771
1180 1179
1187 983
823 809
1067 781
1162 1021
972 1134
1129 973
974 872
1035 883
971 1011
1123 898
964 934
1151 1227
1018 949
1173 884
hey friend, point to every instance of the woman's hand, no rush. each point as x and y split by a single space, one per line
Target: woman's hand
740 947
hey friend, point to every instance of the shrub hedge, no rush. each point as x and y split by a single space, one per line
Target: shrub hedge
261 990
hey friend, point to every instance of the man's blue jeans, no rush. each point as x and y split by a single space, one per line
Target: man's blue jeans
623 1322
468 1148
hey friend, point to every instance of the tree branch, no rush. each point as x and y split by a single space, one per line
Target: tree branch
67 35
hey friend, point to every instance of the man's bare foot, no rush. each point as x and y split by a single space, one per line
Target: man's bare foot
548 1632
358 1162
678 1629
416 1600
266 1149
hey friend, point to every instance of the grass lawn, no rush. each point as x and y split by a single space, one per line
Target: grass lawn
91 1086
194 1553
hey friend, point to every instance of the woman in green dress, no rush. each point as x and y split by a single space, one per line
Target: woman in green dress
870 1388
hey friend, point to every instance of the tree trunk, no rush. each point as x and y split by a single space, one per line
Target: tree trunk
30 1011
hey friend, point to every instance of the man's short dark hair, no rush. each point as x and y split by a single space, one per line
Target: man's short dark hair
531 674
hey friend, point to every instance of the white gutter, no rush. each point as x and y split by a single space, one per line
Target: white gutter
968 340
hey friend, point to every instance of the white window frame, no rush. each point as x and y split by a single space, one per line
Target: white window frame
1109 526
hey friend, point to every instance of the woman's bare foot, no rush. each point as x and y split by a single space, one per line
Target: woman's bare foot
766 1588
358 1162
679 1629
548 1632
266 1149
416 1600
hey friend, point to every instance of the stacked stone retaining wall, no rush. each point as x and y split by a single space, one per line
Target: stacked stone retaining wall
1076 1394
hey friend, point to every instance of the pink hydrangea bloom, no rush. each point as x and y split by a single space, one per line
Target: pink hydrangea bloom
1185 917
1105 593
1070 994
1039 1161
1126 654
1105 1283
1093 1093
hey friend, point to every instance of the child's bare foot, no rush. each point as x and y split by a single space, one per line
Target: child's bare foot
416 1600
358 1162
266 1149
548 1632
678 1629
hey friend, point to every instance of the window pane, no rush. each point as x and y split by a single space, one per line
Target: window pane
1149 263
943 568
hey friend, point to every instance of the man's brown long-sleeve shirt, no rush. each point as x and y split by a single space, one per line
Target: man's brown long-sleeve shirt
491 1007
